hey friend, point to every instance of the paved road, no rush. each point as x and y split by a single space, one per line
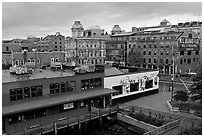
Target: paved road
156 101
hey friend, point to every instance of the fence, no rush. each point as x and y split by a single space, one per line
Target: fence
164 128
65 121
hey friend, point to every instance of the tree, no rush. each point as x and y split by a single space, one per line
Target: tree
196 88
181 96
135 57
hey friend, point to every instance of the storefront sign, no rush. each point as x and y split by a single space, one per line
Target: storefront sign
68 106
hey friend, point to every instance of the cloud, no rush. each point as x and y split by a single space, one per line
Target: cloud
24 16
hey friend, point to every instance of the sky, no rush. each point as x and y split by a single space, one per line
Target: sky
23 19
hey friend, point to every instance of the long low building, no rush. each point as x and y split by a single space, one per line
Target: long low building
131 83
45 96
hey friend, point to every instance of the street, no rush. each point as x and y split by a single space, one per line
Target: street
157 101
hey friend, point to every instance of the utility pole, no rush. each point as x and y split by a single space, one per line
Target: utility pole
172 79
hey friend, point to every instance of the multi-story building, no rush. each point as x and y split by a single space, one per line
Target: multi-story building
51 43
17 45
85 50
42 101
33 59
86 47
161 48
117 48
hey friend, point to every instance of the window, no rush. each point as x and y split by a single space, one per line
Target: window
70 86
130 46
22 62
60 42
7 48
144 60
197 52
85 84
167 61
19 94
16 62
62 85
181 61
144 52
190 35
33 60
134 87
189 60
161 46
98 82
36 91
28 60
155 53
150 46
56 59
148 84
189 52
52 59
144 46
181 52
119 89
13 93
155 46
184 60
194 59
149 60
167 53
26 92
155 60
161 53
55 42
149 52
92 83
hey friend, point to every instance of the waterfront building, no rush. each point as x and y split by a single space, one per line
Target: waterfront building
35 103
130 82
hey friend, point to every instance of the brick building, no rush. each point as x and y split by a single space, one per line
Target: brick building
33 59
159 48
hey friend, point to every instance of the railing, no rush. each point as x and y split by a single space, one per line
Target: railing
65 121
164 128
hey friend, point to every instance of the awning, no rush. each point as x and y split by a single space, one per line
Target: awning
54 100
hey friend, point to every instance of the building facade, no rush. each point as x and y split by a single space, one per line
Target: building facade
33 59
35 104
85 50
51 43
160 49
117 49
132 83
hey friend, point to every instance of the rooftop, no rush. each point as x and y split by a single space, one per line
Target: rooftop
123 70
7 77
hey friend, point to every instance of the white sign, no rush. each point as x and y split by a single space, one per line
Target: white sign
68 106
